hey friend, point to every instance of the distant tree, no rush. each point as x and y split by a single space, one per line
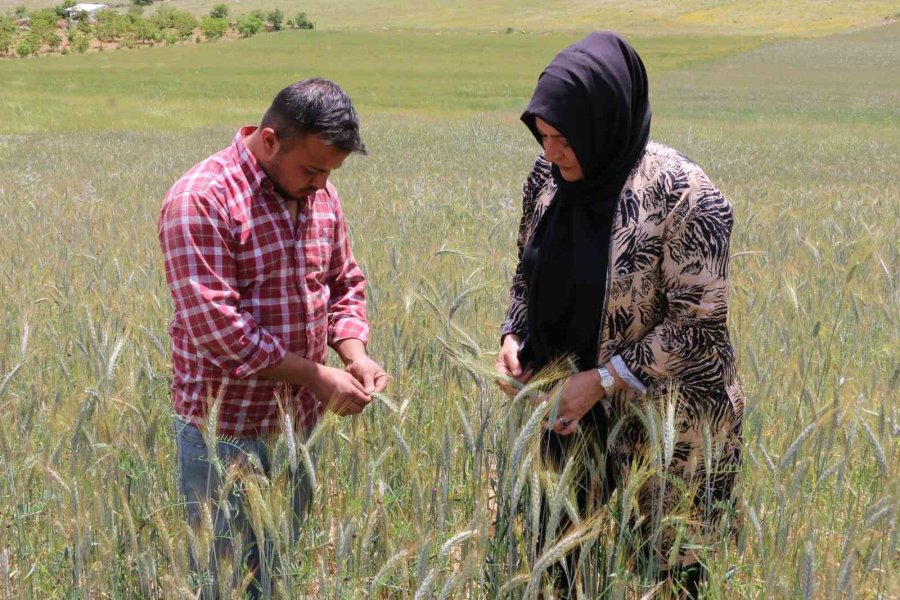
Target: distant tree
61 9
249 25
29 45
276 18
142 2
162 16
213 28
301 22
109 25
170 37
219 11
145 30
185 24
7 34
42 21
44 28
259 14
35 42
21 12
84 22
52 39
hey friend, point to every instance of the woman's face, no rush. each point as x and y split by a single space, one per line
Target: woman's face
559 152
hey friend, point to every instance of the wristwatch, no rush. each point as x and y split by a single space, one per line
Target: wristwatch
607 381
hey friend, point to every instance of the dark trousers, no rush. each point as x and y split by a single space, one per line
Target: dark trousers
201 485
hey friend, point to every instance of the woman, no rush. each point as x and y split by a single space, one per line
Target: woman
623 267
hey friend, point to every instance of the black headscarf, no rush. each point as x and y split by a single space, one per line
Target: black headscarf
595 94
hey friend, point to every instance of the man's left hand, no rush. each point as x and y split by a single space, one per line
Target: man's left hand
369 373
580 393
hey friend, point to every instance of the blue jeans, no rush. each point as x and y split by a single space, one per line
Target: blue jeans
201 483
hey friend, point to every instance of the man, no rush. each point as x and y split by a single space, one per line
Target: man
258 261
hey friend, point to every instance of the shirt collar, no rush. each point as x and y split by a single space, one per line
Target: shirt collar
253 171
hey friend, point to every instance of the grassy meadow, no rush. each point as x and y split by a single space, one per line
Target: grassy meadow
428 494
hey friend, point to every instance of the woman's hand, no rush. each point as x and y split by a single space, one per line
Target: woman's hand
580 393
508 365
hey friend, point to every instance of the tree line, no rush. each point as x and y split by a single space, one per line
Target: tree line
52 30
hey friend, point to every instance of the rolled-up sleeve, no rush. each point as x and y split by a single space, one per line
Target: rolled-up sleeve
347 283
194 233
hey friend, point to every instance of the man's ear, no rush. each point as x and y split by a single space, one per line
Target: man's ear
270 140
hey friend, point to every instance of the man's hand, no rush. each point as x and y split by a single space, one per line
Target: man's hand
508 365
369 373
580 393
343 392
366 371
339 391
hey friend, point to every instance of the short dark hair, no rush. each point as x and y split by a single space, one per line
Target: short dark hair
316 106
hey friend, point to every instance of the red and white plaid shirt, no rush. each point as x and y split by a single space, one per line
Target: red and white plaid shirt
249 286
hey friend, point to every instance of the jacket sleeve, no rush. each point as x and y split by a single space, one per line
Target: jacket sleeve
691 342
517 314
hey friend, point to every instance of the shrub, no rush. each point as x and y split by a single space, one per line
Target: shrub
301 22
219 11
276 18
23 49
142 2
249 25
79 42
213 28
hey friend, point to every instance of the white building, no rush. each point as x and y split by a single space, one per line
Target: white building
90 9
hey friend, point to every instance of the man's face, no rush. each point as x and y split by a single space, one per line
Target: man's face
300 165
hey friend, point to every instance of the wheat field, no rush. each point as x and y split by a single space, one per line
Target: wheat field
431 492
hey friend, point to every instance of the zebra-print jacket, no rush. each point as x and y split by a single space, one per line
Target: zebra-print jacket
664 318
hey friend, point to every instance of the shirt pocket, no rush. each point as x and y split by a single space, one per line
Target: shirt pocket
315 253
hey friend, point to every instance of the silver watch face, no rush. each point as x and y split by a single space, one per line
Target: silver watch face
606 379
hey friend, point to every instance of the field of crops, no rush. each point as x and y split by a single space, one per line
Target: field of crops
416 497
